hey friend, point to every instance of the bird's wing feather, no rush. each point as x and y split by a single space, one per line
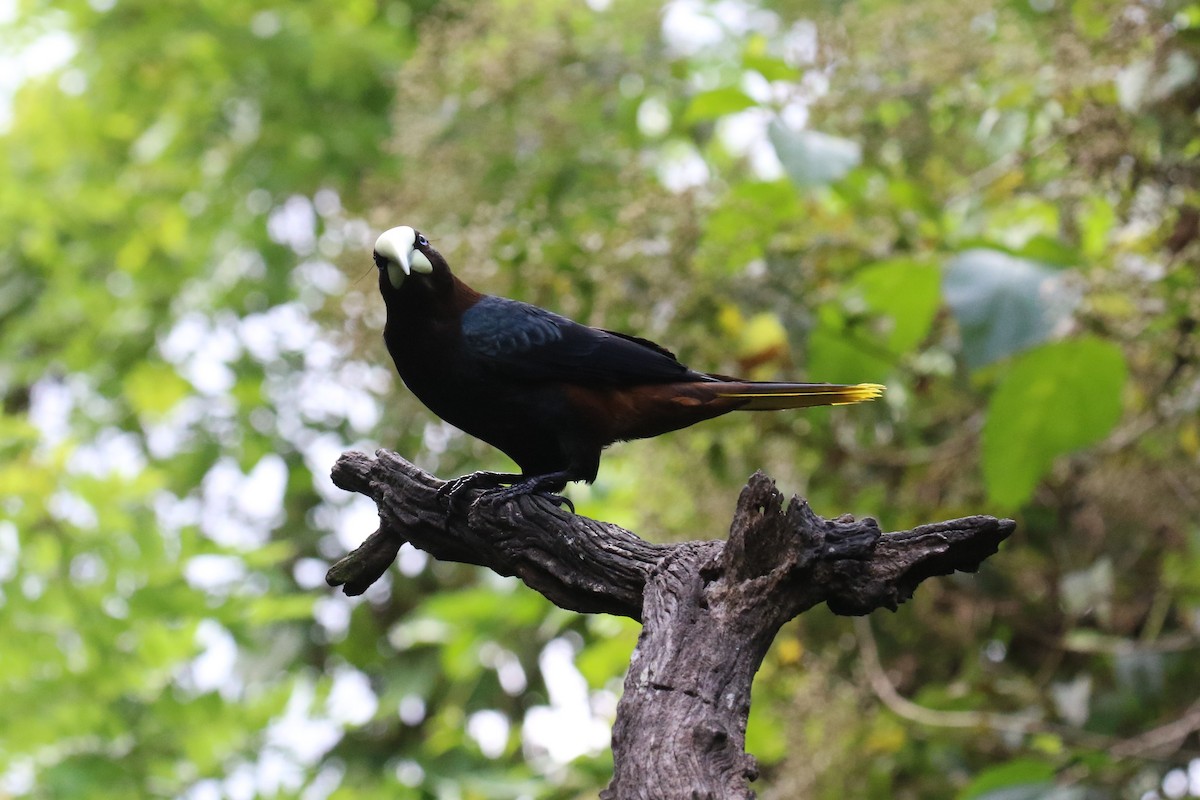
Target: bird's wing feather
655 346
521 340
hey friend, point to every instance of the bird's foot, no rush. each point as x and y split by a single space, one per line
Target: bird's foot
453 491
494 491
498 496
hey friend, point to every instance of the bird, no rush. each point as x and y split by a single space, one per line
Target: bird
548 392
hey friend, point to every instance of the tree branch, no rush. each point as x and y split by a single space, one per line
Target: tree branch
709 609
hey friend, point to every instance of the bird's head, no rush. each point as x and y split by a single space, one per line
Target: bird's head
403 252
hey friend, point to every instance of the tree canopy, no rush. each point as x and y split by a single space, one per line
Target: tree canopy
993 208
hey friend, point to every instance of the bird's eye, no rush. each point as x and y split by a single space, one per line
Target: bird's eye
421 240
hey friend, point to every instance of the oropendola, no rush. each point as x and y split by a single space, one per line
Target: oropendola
547 391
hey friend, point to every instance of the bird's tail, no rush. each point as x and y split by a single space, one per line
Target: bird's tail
762 396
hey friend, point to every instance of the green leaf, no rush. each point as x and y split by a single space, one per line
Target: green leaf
840 351
153 388
483 607
1003 303
1054 400
717 103
904 291
1049 250
87 775
884 312
811 158
1096 219
770 67
1028 776
741 227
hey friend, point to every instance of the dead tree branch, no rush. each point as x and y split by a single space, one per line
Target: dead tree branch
709 609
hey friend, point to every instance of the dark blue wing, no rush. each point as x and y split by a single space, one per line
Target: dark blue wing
528 342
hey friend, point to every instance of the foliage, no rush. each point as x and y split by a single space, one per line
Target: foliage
990 207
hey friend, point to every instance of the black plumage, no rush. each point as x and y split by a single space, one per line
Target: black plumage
522 341
549 392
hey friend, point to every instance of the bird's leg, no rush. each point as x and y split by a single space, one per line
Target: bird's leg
452 490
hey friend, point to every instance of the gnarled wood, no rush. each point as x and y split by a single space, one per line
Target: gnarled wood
709 609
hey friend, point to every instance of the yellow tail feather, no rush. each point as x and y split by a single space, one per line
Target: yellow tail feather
773 396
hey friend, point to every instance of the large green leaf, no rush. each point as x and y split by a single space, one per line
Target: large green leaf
811 158
1003 303
1054 400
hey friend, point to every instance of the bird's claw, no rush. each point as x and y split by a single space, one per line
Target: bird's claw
500 496
493 490
559 500
452 491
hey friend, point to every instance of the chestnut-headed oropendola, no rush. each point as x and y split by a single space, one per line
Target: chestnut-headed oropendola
549 392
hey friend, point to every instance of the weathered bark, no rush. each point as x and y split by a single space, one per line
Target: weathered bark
709 609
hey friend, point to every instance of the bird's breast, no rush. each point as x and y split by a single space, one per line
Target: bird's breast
461 388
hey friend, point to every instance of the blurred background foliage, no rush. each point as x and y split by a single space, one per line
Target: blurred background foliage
992 207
